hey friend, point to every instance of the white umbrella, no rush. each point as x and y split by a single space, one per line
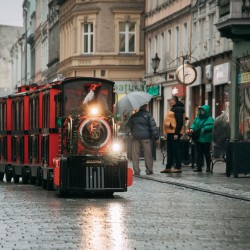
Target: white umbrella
133 101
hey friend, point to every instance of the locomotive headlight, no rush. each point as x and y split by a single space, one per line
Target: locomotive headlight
94 111
116 147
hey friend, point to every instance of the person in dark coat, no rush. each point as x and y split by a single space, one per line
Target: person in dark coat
143 129
203 145
174 128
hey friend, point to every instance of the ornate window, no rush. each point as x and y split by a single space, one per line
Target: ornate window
127 37
87 38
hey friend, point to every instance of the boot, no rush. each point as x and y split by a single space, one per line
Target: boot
199 169
208 170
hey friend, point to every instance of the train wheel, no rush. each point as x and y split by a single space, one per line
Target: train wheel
25 175
44 184
49 185
16 178
39 177
25 179
49 180
1 176
32 180
8 177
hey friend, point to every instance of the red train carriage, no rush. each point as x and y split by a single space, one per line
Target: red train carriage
5 139
34 141
19 136
63 136
50 134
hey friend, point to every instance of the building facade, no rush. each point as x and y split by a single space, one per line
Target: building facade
234 24
9 58
167 34
54 40
103 39
212 55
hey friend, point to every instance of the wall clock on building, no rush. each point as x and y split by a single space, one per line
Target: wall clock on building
186 74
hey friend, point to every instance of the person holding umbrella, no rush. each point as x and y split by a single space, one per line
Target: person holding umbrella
143 128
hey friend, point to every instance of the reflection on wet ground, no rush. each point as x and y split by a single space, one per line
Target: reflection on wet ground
150 215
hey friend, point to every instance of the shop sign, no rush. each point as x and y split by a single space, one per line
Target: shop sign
154 90
221 74
244 78
127 87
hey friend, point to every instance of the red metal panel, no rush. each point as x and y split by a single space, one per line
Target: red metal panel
56 165
26 112
9 114
54 147
40 110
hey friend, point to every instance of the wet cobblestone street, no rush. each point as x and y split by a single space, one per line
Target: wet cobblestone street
150 215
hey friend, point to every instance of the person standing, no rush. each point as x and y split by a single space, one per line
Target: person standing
143 128
205 122
173 127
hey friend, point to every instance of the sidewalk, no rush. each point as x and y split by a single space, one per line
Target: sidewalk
216 183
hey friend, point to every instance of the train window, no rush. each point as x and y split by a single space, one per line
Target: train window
36 112
77 96
3 116
46 105
14 118
30 113
17 116
21 115
58 105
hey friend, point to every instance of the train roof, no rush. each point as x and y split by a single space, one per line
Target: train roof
34 88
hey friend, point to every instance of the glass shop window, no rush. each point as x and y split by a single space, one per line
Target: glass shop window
221 99
244 114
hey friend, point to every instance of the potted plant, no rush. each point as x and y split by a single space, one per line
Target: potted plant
221 133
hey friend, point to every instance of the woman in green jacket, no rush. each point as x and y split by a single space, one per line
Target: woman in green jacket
205 122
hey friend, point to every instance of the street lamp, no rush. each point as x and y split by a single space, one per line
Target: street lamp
155 63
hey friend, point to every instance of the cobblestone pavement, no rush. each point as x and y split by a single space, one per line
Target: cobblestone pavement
151 215
217 183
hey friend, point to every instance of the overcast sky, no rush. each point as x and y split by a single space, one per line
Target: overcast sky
11 12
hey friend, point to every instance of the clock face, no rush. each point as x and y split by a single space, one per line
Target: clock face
186 74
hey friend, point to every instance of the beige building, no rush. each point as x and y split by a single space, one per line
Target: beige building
41 41
167 34
212 56
9 35
103 39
